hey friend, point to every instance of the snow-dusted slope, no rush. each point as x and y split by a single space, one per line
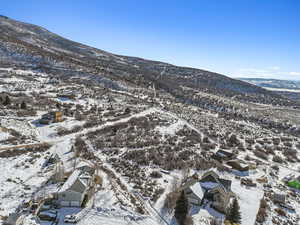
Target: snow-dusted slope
23 44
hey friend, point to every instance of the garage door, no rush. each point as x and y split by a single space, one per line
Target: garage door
75 204
65 203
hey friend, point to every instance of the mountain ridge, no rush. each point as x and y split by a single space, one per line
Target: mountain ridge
32 46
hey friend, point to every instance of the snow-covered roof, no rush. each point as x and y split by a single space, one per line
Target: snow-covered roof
197 190
209 185
83 164
211 180
70 181
85 177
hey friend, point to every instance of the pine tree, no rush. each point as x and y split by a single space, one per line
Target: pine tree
23 105
181 209
7 101
234 214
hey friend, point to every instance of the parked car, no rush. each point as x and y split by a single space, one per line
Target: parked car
70 219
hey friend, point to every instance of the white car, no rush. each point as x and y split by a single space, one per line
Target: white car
70 219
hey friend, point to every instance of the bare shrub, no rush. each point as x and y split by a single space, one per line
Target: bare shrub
16 152
248 158
155 174
81 149
170 201
277 158
260 154
280 212
233 140
269 150
23 113
262 212
61 131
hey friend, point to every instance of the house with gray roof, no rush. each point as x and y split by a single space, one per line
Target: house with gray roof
209 187
75 190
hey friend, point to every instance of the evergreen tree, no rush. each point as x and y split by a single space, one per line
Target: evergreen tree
234 214
23 105
181 209
7 101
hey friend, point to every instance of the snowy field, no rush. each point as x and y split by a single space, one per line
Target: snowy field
18 181
249 200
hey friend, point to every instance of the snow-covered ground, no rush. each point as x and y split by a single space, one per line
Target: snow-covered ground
111 216
249 200
19 180
4 135
22 126
23 177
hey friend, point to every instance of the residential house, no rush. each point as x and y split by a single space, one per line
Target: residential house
210 187
76 189
51 117
194 193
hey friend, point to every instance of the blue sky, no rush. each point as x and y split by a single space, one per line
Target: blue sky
238 38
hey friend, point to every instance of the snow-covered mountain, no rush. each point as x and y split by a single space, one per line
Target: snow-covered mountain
26 45
287 88
274 83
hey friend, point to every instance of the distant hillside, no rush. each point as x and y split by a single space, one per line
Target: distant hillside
273 83
30 46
